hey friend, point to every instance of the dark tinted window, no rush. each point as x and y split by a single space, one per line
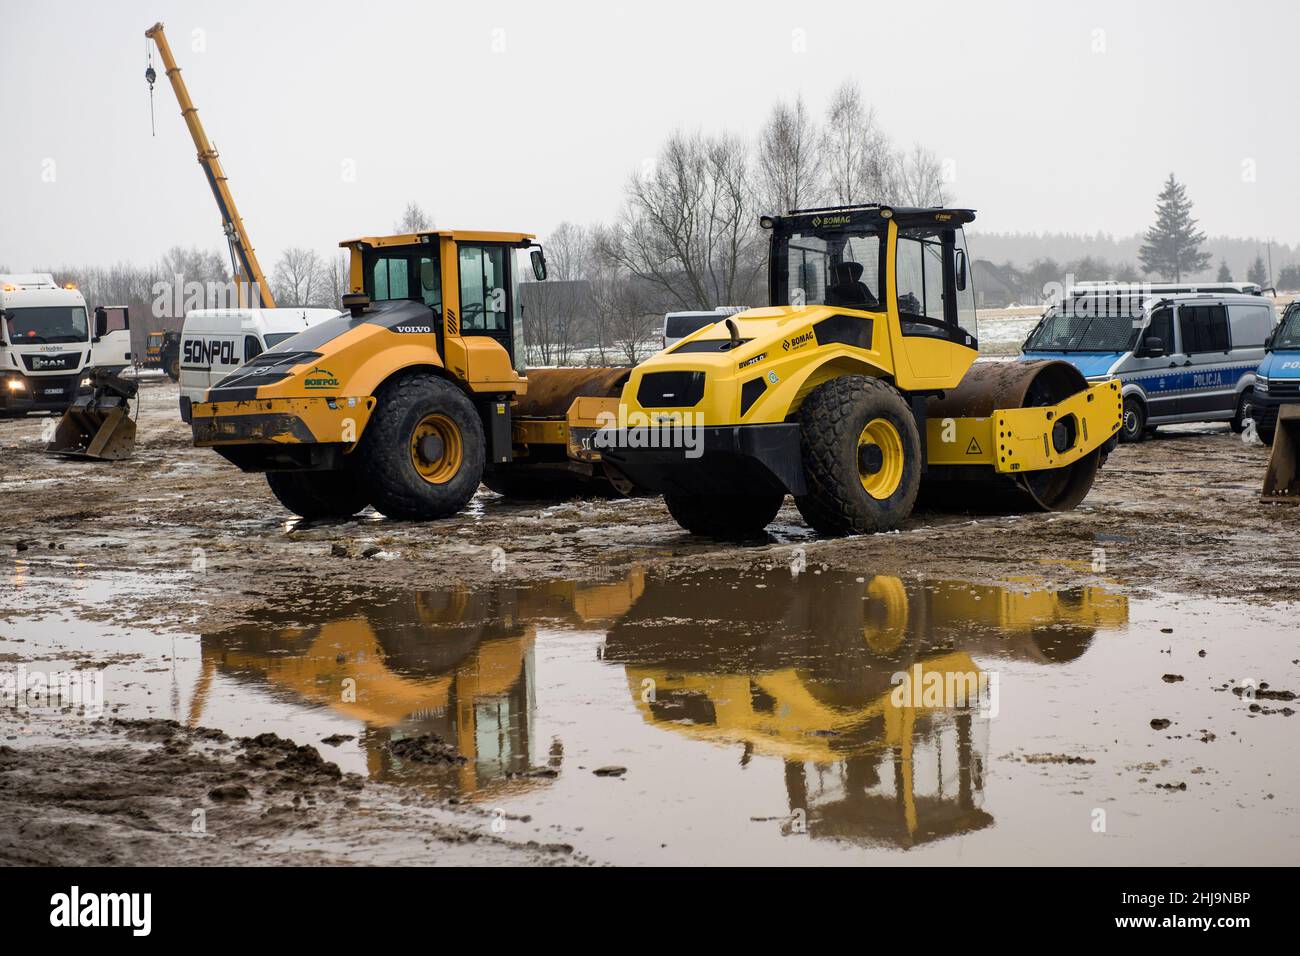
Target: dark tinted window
252 347
1162 328
1204 328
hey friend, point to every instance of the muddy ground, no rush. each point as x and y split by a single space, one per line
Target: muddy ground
1175 514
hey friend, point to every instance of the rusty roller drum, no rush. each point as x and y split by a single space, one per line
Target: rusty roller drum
987 387
547 474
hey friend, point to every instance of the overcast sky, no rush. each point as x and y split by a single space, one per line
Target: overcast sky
1054 117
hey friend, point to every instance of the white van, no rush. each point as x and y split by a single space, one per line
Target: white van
678 325
47 342
215 342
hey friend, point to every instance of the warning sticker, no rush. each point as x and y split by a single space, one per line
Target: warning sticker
974 448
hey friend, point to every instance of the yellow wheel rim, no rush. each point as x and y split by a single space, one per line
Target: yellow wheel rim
438 458
886 610
880 458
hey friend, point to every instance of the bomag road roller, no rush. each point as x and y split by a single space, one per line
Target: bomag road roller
417 393
854 391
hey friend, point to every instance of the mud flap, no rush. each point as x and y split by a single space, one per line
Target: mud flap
1281 485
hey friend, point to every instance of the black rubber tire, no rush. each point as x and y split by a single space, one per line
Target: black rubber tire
730 517
1133 427
174 368
1238 423
395 487
830 421
318 494
1266 433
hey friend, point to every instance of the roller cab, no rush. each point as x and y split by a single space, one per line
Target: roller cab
856 387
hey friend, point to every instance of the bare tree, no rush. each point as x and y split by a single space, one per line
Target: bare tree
790 159
920 178
689 227
568 252
299 277
414 219
860 164
337 278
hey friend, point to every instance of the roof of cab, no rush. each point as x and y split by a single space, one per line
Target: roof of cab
428 235
833 215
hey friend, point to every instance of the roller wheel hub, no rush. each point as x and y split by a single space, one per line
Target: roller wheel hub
880 458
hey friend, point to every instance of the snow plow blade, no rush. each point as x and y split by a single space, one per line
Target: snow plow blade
1281 483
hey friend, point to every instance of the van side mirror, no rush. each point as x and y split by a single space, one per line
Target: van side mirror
1153 347
1268 342
539 264
961 270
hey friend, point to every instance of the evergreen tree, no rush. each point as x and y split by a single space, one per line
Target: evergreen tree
1172 247
1225 274
1258 273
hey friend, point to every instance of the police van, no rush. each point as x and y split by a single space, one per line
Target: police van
1277 382
1181 356
48 342
215 342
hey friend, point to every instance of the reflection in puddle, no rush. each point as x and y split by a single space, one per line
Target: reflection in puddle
872 695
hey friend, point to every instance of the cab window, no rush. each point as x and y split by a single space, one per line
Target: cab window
431 283
483 289
1160 327
390 278
920 286
252 348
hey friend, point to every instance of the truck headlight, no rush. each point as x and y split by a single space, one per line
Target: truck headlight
85 382
1261 385
14 384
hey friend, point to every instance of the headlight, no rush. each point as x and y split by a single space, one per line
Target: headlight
85 382
1261 384
15 384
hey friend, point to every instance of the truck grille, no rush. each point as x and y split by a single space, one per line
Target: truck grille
49 362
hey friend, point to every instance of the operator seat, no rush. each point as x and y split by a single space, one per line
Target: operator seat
849 289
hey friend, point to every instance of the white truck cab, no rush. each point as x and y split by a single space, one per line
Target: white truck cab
215 342
48 343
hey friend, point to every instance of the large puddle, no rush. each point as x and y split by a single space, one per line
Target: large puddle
766 717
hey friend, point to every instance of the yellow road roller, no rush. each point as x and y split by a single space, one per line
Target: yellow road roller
417 394
855 391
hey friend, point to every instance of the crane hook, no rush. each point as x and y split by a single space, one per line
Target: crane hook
150 75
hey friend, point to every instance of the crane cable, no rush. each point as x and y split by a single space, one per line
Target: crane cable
150 76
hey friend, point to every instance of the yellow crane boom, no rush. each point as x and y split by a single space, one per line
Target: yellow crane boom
246 268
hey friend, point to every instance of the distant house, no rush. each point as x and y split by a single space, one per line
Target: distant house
994 289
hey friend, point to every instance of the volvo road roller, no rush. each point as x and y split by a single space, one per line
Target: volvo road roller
415 395
856 390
